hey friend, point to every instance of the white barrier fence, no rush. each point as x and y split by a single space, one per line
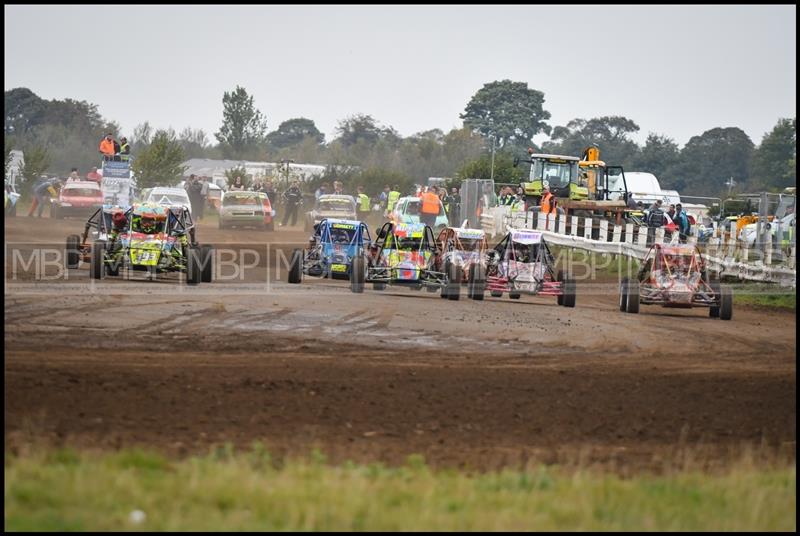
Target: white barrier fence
601 236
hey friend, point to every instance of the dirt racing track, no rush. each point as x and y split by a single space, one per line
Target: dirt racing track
380 375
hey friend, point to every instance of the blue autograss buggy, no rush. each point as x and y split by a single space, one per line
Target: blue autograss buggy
331 250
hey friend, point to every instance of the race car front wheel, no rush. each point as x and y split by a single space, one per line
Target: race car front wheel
207 268
357 275
194 267
623 294
72 253
296 267
453 281
568 290
477 282
726 303
97 269
632 302
713 311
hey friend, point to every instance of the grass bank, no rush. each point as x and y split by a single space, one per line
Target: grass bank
133 489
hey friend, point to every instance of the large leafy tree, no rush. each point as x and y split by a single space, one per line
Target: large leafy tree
711 159
363 128
160 163
774 163
609 133
659 156
243 125
70 129
509 111
293 132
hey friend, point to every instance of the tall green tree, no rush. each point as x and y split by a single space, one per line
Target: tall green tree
709 160
610 133
774 164
293 132
194 142
243 126
659 156
159 164
504 169
37 161
365 129
509 111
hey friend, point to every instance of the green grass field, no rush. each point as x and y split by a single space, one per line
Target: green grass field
127 490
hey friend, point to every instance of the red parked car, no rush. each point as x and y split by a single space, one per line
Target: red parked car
77 198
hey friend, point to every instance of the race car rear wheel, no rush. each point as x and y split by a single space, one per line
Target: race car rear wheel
623 294
568 292
714 310
453 281
496 293
194 258
72 254
97 269
560 297
207 270
477 282
112 268
514 295
357 275
632 302
726 303
296 266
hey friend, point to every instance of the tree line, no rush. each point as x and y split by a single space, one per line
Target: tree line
502 116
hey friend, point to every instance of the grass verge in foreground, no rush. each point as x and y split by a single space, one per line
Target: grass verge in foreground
133 489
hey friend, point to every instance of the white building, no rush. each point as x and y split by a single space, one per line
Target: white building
276 171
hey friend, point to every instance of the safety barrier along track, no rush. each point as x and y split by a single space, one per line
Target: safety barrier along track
631 240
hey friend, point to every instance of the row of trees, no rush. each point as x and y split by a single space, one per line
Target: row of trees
503 115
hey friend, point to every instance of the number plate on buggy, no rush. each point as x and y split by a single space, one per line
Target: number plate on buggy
144 256
338 268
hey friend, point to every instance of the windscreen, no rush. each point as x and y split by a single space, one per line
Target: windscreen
336 205
240 200
83 192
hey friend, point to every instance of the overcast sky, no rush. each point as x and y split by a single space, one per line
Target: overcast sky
674 70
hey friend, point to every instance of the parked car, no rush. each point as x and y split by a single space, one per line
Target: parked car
246 208
77 198
407 210
334 206
169 197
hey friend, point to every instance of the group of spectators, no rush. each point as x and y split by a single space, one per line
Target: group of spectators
673 219
113 150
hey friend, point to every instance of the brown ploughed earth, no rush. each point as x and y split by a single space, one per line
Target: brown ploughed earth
381 375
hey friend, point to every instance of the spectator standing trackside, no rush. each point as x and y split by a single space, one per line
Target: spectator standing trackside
107 147
237 185
362 204
430 208
455 207
682 219
43 191
124 149
93 175
203 197
292 197
391 199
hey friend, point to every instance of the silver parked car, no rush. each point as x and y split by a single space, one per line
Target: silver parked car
246 208
342 207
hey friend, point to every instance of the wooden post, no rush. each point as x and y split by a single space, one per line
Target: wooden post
574 227
587 228
629 233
